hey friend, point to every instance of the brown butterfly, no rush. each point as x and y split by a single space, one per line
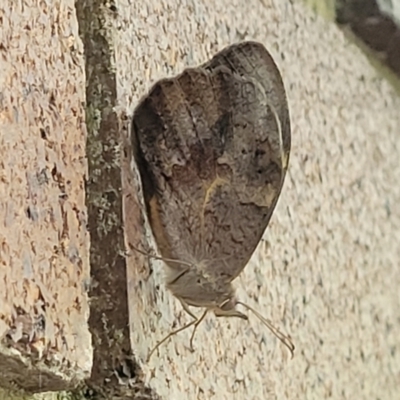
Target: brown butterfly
212 147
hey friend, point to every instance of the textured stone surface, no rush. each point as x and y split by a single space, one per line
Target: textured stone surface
327 269
44 339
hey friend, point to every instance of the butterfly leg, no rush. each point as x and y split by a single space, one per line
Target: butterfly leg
182 328
196 322
187 309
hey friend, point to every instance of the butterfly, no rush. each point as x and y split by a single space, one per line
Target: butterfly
212 148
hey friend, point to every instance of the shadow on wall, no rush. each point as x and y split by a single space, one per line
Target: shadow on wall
376 24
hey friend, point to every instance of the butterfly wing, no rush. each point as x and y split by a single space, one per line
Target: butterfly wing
212 147
252 60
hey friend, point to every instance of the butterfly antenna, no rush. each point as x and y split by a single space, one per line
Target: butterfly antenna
276 332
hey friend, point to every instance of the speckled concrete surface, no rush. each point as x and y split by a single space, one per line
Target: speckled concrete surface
43 238
327 270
